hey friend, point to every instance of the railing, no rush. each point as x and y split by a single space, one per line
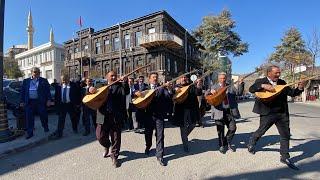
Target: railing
160 37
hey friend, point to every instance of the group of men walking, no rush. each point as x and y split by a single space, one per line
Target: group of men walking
118 109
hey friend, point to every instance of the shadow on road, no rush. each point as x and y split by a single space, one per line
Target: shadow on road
59 146
279 173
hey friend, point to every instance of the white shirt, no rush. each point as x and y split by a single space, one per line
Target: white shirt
152 86
272 82
224 105
68 92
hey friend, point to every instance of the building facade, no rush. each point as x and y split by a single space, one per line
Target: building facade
155 38
48 57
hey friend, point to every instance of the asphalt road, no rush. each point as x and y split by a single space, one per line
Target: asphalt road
77 157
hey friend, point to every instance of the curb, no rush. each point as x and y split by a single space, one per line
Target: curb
24 147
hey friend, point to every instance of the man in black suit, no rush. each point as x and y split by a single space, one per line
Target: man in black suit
186 114
274 112
140 113
131 109
114 111
68 99
88 113
155 114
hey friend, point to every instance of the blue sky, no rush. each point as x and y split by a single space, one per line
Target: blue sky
260 23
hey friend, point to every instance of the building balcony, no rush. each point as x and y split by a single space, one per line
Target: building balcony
161 39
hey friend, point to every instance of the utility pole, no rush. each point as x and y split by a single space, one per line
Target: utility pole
186 50
120 49
5 133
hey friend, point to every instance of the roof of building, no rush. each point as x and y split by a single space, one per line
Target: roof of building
39 49
132 21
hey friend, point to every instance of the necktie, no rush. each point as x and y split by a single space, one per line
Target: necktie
64 97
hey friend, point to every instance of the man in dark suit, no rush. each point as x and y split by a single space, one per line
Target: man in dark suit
274 112
155 114
35 97
226 112
68 99
114 112
140 113
187 113
131 109
88 113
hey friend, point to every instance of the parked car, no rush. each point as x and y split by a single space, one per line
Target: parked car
12 93
6 83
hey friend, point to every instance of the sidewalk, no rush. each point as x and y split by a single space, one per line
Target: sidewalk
20 143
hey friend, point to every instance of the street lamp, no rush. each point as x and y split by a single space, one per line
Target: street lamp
5 133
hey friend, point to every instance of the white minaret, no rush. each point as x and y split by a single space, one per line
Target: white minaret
51 36
30 31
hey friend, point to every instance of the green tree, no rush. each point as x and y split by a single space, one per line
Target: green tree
11 69
291 53
217 36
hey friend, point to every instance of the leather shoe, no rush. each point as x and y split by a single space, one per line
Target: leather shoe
251 149
161 162
222 150
231 148
55 136
147 151
29 136
289 163
115 163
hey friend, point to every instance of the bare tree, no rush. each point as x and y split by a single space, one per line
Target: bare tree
313 45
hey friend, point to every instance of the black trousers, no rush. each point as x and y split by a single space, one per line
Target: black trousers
281 120
158 124
186 128
141 118
110 130
65 108
228 121
87 115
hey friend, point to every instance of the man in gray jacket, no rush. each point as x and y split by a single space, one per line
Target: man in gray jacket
226 112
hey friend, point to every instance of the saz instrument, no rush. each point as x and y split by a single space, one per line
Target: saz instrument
95 101
220 95
182 95
268 96
145 99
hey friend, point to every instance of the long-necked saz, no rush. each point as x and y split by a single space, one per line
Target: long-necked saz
220 95
267 96
182 95
95 101
143 101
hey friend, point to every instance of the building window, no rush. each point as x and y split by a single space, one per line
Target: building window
107 45
98 49
49 74
138 36
86 47
175 67
127 41
116 44
151 30
168 65
76 50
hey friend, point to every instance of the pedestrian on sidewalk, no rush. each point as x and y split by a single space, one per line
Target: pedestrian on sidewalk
35 98
68 99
